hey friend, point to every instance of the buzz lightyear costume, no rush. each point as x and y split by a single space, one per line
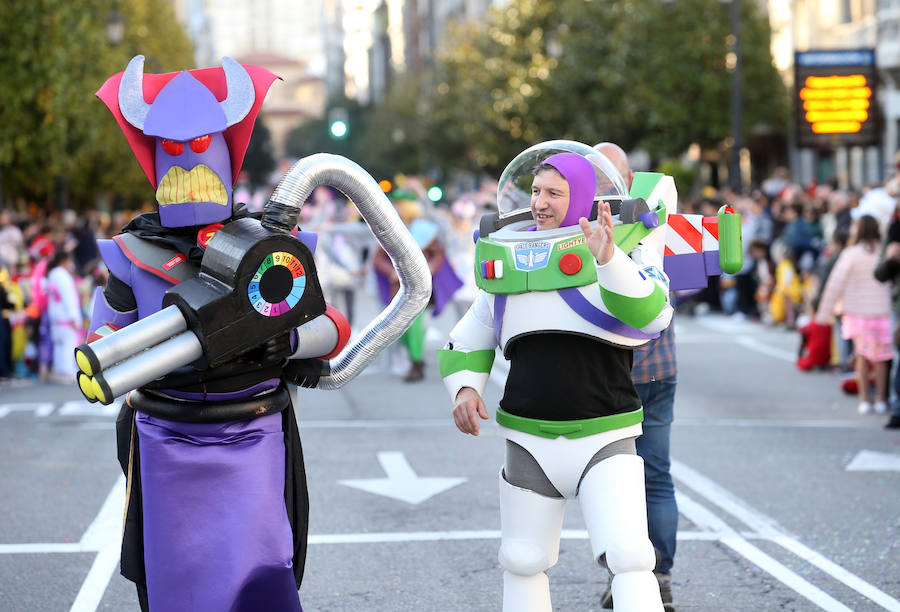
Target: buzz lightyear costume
569 411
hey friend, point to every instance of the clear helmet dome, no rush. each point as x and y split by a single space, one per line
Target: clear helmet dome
514 187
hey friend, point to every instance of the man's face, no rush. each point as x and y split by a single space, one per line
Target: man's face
549 199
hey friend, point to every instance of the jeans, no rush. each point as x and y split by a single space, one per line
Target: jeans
658 398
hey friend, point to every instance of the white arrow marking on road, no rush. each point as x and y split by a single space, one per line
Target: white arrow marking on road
40 409
402 482
872 461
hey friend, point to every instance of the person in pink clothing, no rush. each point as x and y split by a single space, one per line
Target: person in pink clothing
865 306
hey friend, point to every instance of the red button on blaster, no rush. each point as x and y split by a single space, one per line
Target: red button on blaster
570 263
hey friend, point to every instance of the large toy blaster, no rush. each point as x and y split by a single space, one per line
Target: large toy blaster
256 283
694 247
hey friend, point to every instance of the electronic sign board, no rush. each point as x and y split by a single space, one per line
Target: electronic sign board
834 98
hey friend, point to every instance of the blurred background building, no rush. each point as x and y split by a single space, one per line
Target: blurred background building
388 75
330 49
805 25
323 49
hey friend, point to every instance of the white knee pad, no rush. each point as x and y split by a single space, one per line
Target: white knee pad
531 525
615 513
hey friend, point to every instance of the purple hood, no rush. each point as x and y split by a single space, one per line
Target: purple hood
582 179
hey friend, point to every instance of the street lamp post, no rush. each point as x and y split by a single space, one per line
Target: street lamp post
734 173
115 27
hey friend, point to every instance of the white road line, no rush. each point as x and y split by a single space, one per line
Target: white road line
854 582
703 517
83 407
780 423
94 586
689 338
59 547
363 538
40 409
440 536
737 331
108 520
728 326
448 422
104 534
755 345
769 529
375 423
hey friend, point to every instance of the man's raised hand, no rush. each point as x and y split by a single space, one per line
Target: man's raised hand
600 240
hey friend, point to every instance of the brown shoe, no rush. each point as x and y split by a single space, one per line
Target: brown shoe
665 590
416 372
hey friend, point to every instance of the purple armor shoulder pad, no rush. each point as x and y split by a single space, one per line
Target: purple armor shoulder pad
310 239
115 260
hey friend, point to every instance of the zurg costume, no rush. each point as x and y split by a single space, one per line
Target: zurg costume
203 307
569 411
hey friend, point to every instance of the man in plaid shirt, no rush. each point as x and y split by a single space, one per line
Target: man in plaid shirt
654 378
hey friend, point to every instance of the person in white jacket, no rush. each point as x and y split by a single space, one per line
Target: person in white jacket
64 312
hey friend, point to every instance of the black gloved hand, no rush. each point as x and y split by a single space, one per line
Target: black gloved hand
276 351
305 372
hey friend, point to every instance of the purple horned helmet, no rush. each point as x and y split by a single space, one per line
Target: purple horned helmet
193 161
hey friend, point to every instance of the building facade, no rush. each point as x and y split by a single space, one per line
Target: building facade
840 25
299 40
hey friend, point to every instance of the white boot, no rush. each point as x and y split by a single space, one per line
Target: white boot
615 513
531 525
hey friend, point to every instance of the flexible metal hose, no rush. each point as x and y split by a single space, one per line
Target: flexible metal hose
282 213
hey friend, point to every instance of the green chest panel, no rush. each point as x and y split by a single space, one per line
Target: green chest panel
543 267
549 264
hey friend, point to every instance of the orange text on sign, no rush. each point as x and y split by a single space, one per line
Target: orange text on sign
836 104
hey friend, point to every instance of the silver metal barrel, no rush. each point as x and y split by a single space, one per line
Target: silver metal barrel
316 338
282 213
149 365
134 338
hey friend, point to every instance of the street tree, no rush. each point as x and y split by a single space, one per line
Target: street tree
316 135
394 139
644 73
259 161
57 141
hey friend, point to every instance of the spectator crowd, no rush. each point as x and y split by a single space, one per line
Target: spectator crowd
793 237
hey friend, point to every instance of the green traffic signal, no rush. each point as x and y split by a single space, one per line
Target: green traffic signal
435 194
338 129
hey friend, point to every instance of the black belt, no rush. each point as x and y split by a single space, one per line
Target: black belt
187 411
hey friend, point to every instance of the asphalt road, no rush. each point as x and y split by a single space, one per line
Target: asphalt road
789 500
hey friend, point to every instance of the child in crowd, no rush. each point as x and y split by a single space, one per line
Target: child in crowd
787 294
762 276
865 309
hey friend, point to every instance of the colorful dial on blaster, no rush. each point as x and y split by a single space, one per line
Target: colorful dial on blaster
277 285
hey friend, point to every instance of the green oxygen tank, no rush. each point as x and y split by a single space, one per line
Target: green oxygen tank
731 255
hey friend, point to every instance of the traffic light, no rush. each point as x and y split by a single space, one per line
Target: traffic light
338 123
338 129
435 194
